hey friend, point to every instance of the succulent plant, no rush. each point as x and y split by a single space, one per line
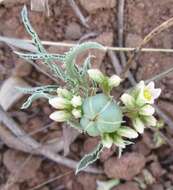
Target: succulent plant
79 103
101 114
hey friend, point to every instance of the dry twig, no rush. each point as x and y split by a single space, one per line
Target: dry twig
37 147
78 13
165 25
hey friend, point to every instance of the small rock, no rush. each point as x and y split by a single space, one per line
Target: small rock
106 153
141 148
157 187
156 169
76 185
13 161
90 144
22 69
126 167
88 181
92 6
73 31
127 186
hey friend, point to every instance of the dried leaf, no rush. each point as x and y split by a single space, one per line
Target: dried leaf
9 94
40 6
69 135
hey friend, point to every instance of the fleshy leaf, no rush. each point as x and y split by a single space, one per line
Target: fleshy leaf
89 158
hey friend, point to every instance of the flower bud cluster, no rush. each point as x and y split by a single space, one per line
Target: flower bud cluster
106 83
68 105
108 139
138 105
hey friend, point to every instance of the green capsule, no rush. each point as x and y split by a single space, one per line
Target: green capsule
101 114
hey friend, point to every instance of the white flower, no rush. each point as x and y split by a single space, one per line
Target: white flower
147 93
147 110
76 101
127 132
96 75
60 116
114 81
64 93
150 121
138 125
128 100
107 141
76 113
119 141
59 103
107 185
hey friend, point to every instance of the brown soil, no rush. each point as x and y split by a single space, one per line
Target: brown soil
143 165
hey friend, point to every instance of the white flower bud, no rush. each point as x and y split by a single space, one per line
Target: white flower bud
150 121
64 93
114 81
119 141
147 110
127 132
138 125
96 75
107 141
76 101
128 100
59 103
60 116
76 113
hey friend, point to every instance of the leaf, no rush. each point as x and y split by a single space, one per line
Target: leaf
31 31
86 65
47 88
33 97
43 56
89 158
48 59
70 57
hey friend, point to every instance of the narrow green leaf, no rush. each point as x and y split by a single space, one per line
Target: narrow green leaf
43 56
86 65
70 58
89 158
33 97
31 31
47 88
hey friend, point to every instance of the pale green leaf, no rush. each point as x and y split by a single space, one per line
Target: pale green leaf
89 158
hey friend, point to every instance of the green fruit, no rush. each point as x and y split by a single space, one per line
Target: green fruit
101 115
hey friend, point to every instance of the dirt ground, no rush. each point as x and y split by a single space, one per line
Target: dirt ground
144 165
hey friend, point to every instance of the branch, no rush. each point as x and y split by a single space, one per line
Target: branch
35 146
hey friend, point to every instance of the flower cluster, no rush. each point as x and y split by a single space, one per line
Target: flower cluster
68 106
138 105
